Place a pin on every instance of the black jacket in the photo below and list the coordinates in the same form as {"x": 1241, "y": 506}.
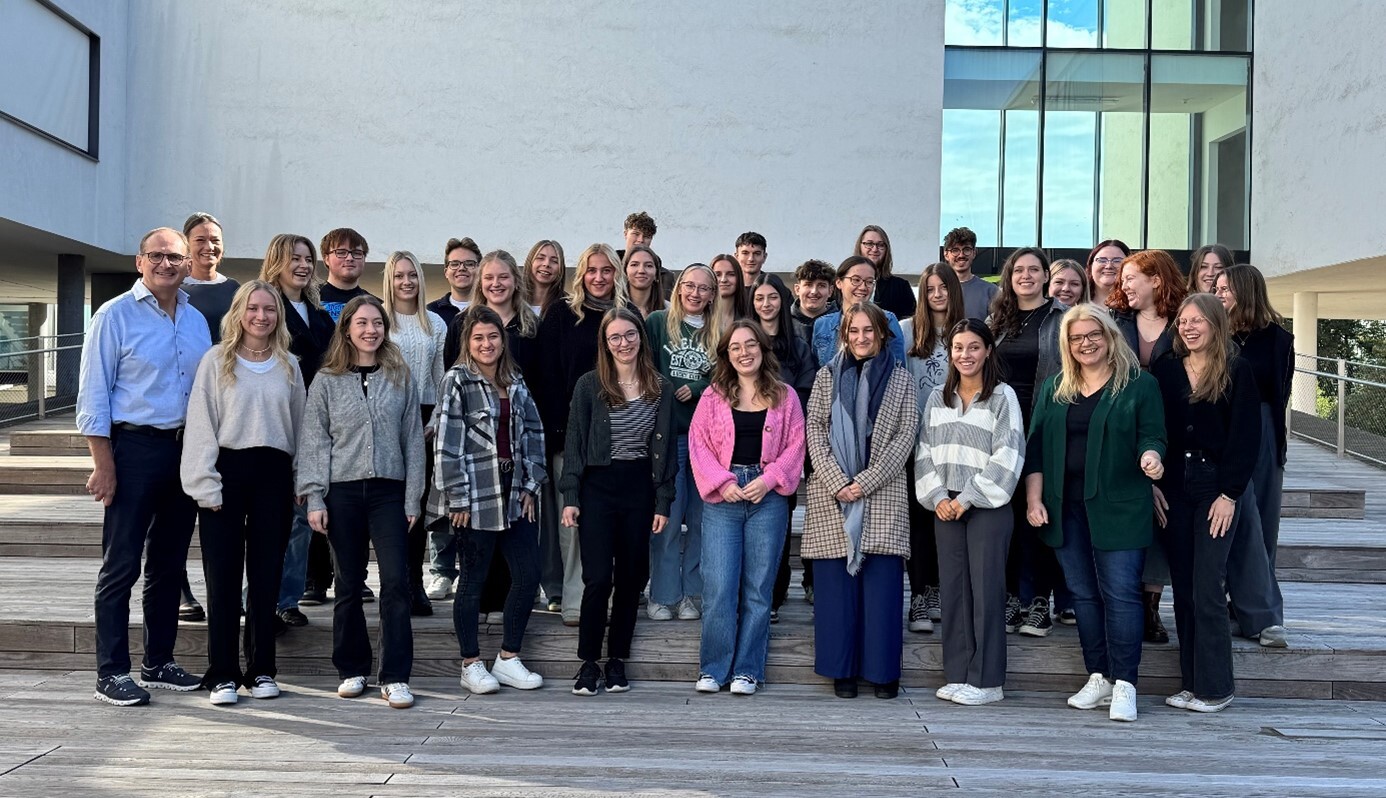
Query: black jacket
{"x": 308, "y": 339}
{"x": 588, "y": 441}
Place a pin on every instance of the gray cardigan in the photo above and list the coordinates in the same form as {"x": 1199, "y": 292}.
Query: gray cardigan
{"x": 589, "y": 441}
{"x": 347, "y": 436}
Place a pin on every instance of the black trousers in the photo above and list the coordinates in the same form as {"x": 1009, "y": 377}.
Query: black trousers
{"x": 418, "y": 533}
{"x": 361, "y": 514}
{"x": 149, "y": 517}
{"x": 247, "y": 536}
{"x": 614, "y": 535}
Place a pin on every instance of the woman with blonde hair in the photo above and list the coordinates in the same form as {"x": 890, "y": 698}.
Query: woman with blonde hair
{"x": 1096, "y": 442}
{"x": 1069, "y": 282}
{"x": 421, "y": 336}
{"x": 567, "y": 344}
{"x": 1213, "y": 424}
{"x": 238, "y": 465}
{"x": 361, "y": 472}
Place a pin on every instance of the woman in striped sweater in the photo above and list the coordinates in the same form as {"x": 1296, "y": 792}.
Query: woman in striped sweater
{"x": 966, "y": 467}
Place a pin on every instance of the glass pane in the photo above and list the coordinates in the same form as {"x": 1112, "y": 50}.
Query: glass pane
{"x": 1198, "y": 151}
{"x": 1123, "y": 24}
{"x": 1025, "y": 23}
{"x": 1020, "y": 183}
{"x": 979, "y": 88}
{"x": 1201, "y": 25}
{"x": 1093, "y": 154}
{"x": 1072, "y": 23}
{"x": 975, "y": 22}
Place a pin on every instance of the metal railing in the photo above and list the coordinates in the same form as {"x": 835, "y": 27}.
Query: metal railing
{"x": 1342, "y": 404}
{"x": 38, "y": 376}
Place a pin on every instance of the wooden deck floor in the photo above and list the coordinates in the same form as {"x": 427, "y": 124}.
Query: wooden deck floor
{"x": 665, "y": 740}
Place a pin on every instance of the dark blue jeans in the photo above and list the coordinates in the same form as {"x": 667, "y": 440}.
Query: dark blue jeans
{"x": 1198, "y": 571}
{"x": 361, "y": 514}
{"x": 149, "y": 517}
{"x": 519, "y": 545}
{"x": 1106, "y": 588}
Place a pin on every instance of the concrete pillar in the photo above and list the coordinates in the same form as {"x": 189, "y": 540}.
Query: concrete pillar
{"x": 1304, "y": 393}
{"x": 72, "y": 300}
{"x": 36, "y": 379}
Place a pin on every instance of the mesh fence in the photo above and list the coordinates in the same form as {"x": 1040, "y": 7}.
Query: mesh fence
{"x": 38, "y": 376}
{"x": 1341, "y": 403}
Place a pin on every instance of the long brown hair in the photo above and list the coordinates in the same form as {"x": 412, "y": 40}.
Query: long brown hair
{"x": 1005, "y": 308}
{"x": 925, "y": 334}
{"x": 341, "y": 353}
{"x": 506, "y": 370}
{"x": 1196, "y": 264}
{"x": 645, "y": 372}
{"x": 740, "y": 305}
{"x": 279, "y": 258}
{"x": 727, "y": 382}
{"x": 657, "y": 300}
{"x": 232, "y": 331}
{"x": 883, "y": 269}
{"x": 1252, "y": 310}
{"x": 1216, "y": 378}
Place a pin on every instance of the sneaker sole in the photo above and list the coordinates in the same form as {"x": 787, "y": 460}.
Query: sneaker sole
{"x": 1101, "y": 702}
{"x": 1208, "y": 709}
{"x": 743, "y": 692}
{"x": 975, "y": 703}
{"x": 618, "y": 688}
{"x": 916, "y": 626}
{"x": 699, "y": 689}
{"x": 224, "y": 702}
{"x": 399, "y": 704}
{"x": 264, "y": 694}
{"x": 482, "y": 689}
{"x": 350, "y": 694}
{"x": 177, "y": 688}
{"x": 520, "y": 685}
{"x": 105, "y": 699}
{"x": 1122, "y": 718}
{"x": 583, "y": 691}
{"x": 1030, "y": 631}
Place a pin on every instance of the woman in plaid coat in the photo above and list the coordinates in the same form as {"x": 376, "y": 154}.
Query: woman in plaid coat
{"x": 861, "y": 425}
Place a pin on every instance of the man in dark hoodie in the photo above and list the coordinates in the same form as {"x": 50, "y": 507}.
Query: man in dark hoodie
{"x": 813, "y": 296}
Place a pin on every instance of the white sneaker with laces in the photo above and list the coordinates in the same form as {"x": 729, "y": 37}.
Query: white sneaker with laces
{"x": 919, "y": 614}
{"x": 224, "y": 694}
{"x": 1123, "y": 701}
{"x": 513, "y": 673}
{"x": 264, "y": 687}
{"x": 743, "y": 685}
{"x": 688, "y": 611}
{"x": 949, "y": 690}
{"x": 970, "y": 696}
{"x": 352, "y": 686}
{"x": 707, "y": 684}
{"x": 1180, "y": 700}
{"x": 658, "y": 612}
{"x": 1096, "y": 693}
{"x": 477, "y": 680}
{"x": 397, "y": 695}
{"x": 440, "y": 587}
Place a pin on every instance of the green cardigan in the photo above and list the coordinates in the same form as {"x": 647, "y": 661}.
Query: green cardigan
{"x": 1116, "y": 492}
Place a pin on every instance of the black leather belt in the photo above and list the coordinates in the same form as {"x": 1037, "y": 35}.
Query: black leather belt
{"x": 175, "y": 434}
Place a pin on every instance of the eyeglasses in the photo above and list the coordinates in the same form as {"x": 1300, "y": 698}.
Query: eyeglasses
{"x": 616, "y": 339}
{"x": 749, "y": 346}
{"x": 1193, "y": 321}
{"x": 344, "y": 254}
{"x": 173, "y": 258}
{"x": 960, "y": 250}
{"x": 873, "y": 245}
{"x": 858, "y": 282}
{"x": 1108, "y": 261}
{"x": 1089, "y": 338}
{"x": 454, "y": 265}
{"x": 696, "y": 289}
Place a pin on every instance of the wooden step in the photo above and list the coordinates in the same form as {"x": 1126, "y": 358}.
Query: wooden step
{"x": 1297, "y": 502}
{"x": 44, "y": 475}
{"x": 48, "y": 442}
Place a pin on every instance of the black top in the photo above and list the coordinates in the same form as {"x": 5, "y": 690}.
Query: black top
{"x": 365, "y": 372}
{"x": 1270, "y": 351}
{"x": 1019, "y": 355}
{"x": 565, "y": 350}
{"x": 797, "y": 365}
{"x": 334, "y": 299}
{"x": 750, "y": 434}
{"x": 308, "y": 339}
{"x": 1227, "y": 432}
{"x": 895, "y": 295}
{"x": 445, "y": 309}
{"x": 522, "y": 349}
{"x": 803, "y": 325}
{"x": 213, "y": 301}
{"x": 1076, "y": 443}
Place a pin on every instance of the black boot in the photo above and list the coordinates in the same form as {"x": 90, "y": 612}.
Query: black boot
{"x": 845, "y": 688}
{"x": 1154, "y": 627}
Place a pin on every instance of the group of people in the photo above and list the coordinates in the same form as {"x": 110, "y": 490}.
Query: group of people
{"x": 640, "y": 435}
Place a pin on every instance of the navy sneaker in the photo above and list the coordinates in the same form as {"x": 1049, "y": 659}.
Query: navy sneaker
{"x": 169, "y": 676}
{"x": 587, "y": 678}
{"x": 615, "y": 677}
{"x": 120, "y": 690}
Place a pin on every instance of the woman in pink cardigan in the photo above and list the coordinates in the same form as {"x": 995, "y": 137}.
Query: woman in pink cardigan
{"x": 746, "y": 447}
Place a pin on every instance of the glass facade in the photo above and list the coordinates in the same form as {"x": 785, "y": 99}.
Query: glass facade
{"x": 1071, "y": 121}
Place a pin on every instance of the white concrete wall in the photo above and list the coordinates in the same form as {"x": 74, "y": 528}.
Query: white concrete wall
{"x": 49, "y": 187}
{"x": 1318, "y": 158}
{"x": 413, "y": 122}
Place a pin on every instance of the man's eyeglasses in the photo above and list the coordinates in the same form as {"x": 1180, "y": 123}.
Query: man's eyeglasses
{"x": 345, "y": 254}
{"x": 454, "y": 265}
{"x": 960, "y": 250}
{"x": 173, "y": 258}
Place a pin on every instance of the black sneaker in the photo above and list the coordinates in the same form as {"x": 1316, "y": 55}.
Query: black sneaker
{"x": 169, "y": 676}
{"x": 313, "y": 596}
{"x": 191, "y": 611}
{"x": 1037, "y": 622}
{"x": 774, "y": 616}
{"x": 120, "y": 691}
{"x": 293, "y": 616}
{"x": 587, "y": 677}
{"x": 616, "y": 676}
{"x": 1068, "y": 618}
{"x": 421, "y": 607}
{"x": 1014, "y": 616}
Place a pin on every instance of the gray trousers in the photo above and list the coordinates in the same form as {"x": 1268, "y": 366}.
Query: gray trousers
{"x": 1251, "y": 581}
{"x": 972, "y": 592}
{"x": 550, "y": 550}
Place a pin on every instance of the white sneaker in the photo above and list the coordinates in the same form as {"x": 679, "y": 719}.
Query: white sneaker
{"x": 1180, "y": 700}
{"x": 352, "y": 686}
{"x": 919, "y": 614}
{"x": 659, "y": 612}
{"x": 1096, "y": 693}
{"x": 1209, "y": 705}
{"x": 495, "y": 618}
{"x": 743, "y": 685}
{"x": 688, "y": 611}
{"x": 264, "y": 687}
{"x": 440, "y": 587}
{"x": 513, "y": 673}
{"x": 970, "y": 696}
{"x": 477, "y": 680}
{"x": 224, "y": 694}
{"x": 707, "y": 684}
{"x": 1272, "y": 637}
{"x": 949, "y": 690}
{"x": 397, "y": 695}
{"x": 1123, "y": 701}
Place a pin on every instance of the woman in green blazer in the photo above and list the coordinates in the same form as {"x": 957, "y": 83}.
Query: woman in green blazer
{"x": 1096, "y": 441}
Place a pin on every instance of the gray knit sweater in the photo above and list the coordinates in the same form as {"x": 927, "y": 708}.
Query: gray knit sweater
{"x": 349, "y": 435}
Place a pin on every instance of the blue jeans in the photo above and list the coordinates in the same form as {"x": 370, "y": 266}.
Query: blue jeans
{"x": 676, "y": 555}
{"x": 295, "y": 577}
{"x": 741, "y": 554}
{"x": 1106, "y": 588}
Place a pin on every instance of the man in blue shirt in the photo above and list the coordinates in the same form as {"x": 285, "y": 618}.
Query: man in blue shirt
{"x": 138, "y": 364}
